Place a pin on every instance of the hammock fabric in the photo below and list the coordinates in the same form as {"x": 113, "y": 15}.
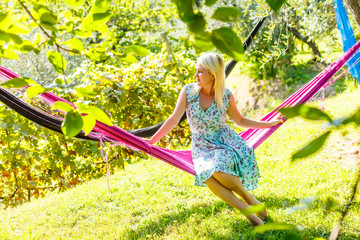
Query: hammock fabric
{"x": 182, "y": 159}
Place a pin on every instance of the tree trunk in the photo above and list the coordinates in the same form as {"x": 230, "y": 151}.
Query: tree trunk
{"x": 354, "y": 7}
{"x": 306, "y": 40}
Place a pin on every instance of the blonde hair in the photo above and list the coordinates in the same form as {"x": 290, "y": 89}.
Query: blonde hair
{"x": 215, "y": 65}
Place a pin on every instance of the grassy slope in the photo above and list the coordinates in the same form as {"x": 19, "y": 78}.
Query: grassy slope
{"x": 151, "y": 200}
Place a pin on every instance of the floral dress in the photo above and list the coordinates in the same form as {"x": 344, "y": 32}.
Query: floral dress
{"x": 215, "y": 146}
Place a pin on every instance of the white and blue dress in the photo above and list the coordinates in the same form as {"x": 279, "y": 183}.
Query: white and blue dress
{"x": 215, "y": 146}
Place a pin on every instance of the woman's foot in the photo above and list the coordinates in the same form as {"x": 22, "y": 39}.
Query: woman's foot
{"x": 253, "y": 201}
{"x": 254, "y": 220}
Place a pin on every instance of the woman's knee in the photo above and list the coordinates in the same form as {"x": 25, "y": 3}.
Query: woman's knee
{"x": 218, "y": 174}
{"x": 225, "y": 179}
{"x": 210, "y": 180}
{"x": 223, "y": 176}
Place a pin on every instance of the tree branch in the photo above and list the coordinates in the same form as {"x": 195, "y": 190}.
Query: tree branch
{"x": 335, "y": 232}
{"x": 42, "y": 29}
{"x": 354, "y": 7}
{"x": 306, "y": 40}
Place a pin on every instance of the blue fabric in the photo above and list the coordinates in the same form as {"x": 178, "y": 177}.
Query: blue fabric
{"x": 347, "y": 37}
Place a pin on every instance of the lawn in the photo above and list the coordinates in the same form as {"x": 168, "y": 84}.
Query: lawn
{"x": 152, "y": 200}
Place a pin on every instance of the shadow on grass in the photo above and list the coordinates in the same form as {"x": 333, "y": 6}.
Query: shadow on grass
{"x": 158, "y": 227}
{"x": 239, "y": 229}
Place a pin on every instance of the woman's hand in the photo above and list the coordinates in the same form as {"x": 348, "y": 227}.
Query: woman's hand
{"x": 279, "y": 120}
{"x": 149, "y": 141}
{"x": 276, "y": 122}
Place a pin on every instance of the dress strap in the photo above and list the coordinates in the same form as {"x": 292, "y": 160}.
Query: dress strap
{"x": 190, "y": 96}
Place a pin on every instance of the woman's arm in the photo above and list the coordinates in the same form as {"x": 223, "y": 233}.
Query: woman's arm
{"x": 245, "y": 122}
{"x": 173, "y": 120}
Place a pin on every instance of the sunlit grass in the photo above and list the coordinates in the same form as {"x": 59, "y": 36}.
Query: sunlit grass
{"x": 152, "y": 200}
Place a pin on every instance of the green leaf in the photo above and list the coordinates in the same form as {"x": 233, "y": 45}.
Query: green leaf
{"x": 18, "y": 28}
{"x": 306, "y": 112}
{"x": 100, "y": 6}
{"x": 5, "y": 21}
{"x": 273, "y": 226}
{"x": 103, "y": 29}
{"x": 57, "y": 60}
{"x": 16, "y": 39}
{"x": 67, "y": 14}
{"x": 75, "y": 44}
{"x": 275, "y": 4}
{"x": 51, "y": 28}
{"x": 9, "y": 54}
{"x": 99, "y": 114}
{"x": 197, "y": 25}
{"x": 137, "y": 50}
{"x": 96, "y": 54}
{"x": 18, "y": 82}
{"x": 93, "y": 20}
{"x": 48, "y": 18}
{"x": 100, "y": 18}
{"x": 72, "y": 124}
{"x": 226, "y": 14}
{"x": 84, "y": 92}
{"x": 60, "y": 81}
{"x": 317, "y": 114}
{"x": 83, "y": 32}
{"x": 82, "y": 108}
{"x": 311, "y": 147}
{"x": 35, "y": 90}
{"x": 129, "y": 58}
{"x": 39, "y": 9}
{"x": 26, "y": 46}
{"x": 4, "y": 36}
{"x": 89, "y": 122}
{"x": 228, "y": 42}
{"x": 353, "y": 118}
{"x": 3, "y": 18}
{"x": 210, "y": 2}
{"x": 254, "y": 209}
{"x": 203, "y": 42}
{"x": 291, "y": 112}
{"x": 62, "y": 106}
{"x": 74, "y": 4}
{"x": 185, "y": 10}
{"x": 86, "y": 24}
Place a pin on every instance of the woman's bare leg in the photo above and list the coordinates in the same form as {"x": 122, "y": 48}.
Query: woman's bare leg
{"x": 229, "y": 197}
{"x": 234, "y": 184}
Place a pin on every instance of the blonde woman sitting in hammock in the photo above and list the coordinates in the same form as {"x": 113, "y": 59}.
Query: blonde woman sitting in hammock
{"x": 222, "y": 159}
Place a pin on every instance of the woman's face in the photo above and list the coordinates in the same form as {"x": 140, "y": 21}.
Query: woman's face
{"x": 203, "y": 76}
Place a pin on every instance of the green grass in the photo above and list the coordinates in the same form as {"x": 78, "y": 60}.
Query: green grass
{"x": 152, "y": 200}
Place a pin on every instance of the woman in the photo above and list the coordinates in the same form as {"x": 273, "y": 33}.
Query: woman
{"x": 222, "y": 159}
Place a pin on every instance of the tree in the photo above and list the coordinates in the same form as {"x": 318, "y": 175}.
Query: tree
{"x": 354, "y": 7}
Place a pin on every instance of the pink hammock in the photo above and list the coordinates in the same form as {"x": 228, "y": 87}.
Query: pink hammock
{"x": 182, "y": 159}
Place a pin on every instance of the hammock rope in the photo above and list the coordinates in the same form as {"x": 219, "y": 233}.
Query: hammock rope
{"x": 182, "y": 159}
